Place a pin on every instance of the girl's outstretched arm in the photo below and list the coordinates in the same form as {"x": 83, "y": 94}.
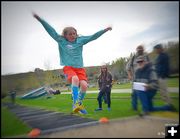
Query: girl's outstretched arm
{"x": 51, "y": 31}
{"x": 87, "y": 39}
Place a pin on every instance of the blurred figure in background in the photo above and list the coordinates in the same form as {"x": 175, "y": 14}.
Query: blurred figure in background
{"x": 12, "y": 95}
{"x": 105, "y": 85}
{"x": 162, "y": 69}
{"x": 131, "y": 68}
{"x": 147, "y": 77}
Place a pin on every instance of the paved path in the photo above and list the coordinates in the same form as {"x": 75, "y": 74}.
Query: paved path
{"x": 170, "y": 89}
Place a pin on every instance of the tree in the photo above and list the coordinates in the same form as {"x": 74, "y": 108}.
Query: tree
{"x": 172, "y": 48}
{"x": 119, "y": 68}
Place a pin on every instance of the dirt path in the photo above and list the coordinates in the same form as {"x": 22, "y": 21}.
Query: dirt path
{"x": 170, "y": 89}
{"x": 134, "y": 127}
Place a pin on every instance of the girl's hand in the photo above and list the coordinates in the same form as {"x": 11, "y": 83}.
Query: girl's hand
{"x": 108, "y": 28}
{"x": 36, "y": 16}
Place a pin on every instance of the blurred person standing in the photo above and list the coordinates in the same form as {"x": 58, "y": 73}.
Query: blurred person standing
{"x": 162, "y": 70}
{"x": 131, "y": 68}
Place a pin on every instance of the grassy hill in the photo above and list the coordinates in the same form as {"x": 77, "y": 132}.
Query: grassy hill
{"x": 24, "y": 82}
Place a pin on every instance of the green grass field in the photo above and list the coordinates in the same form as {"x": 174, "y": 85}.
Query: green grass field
{"x": 11, "y": 125}
{"x": 121, "y": 107}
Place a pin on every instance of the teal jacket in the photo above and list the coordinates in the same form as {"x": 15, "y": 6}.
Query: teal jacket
{"x": 70, "y": 52}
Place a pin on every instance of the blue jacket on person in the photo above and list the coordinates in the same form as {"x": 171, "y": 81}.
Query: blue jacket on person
{"x": 162, "y": 65}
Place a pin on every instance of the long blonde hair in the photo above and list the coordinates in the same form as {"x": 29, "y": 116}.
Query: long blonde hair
{"x": 106, "y": 73}
{"x": 66, "y": 29}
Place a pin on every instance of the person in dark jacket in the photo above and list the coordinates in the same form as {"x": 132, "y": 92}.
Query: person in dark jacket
{"x": 162, "y": 70}
{"x": 131, "y": 68}
{"x": 105, "y": 85}
{"x": 146, "y": 78}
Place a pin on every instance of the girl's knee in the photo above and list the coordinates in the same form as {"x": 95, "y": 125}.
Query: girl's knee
{"x": 75, "y": 80}
{"x": 83, "y": 85}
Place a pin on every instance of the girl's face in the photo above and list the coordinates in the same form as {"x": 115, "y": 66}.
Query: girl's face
{"x": 103, "y": 69}
{"x": 71, "y": 35}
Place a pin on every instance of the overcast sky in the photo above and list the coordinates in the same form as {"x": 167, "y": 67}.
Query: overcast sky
{"x": 25, "y": 45}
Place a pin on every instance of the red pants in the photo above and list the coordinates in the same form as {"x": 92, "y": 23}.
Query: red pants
{"x": 71, "y": 71}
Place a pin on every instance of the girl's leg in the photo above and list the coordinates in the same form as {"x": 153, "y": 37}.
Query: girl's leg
{"x": 82, "y": 93}
{"x": 108, "y": 94}
{"x": 99, "y": 98}
{"x": 79, "y": 81}
{"x": 75, "y": 86}
{"x": 105, "y": 98}
{"x": 83, "y": 89}
{"x": 72, "y": 79}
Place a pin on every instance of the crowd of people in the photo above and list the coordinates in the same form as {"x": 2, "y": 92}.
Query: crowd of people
{"x": 153, "y": 77}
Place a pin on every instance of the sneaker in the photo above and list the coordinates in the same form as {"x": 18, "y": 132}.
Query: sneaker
{"x": 98, "y": 109}
{"x": 83, "y": 111}
{"x": 77, "y": 107}
{"x": 109, "y": 109}
{"x": 143, "y": 114}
